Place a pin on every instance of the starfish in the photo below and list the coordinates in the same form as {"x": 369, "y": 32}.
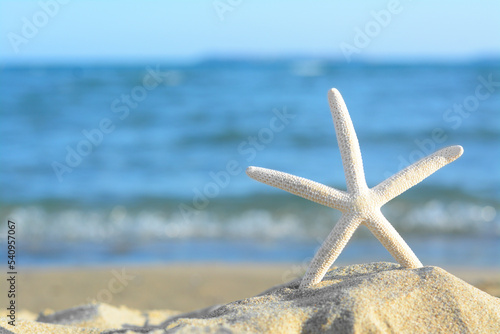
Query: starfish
{"x": 360, "y": 204}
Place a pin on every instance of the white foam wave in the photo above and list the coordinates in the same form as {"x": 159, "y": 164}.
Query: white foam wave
{"x": 39, "y": 225}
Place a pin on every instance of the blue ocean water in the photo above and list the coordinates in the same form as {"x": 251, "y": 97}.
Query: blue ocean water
{"x": 145, "y": 163}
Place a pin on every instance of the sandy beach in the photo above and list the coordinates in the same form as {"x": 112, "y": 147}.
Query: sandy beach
{"x": 380, "y": 297}
{"x": 180, "y": 287}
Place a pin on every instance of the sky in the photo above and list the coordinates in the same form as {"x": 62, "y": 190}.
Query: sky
{"x": 137, "y": 30}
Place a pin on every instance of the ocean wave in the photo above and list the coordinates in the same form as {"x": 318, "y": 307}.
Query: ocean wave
{"x": 299, "y": 222}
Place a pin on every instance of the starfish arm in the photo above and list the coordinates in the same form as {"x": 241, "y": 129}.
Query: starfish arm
{"x": 413, "y": 174}
{"x": 330, "y": 249}
{"x": 302, "y": 187}
{"x": 348, "y": 143}
{"x": 392, "y": 241}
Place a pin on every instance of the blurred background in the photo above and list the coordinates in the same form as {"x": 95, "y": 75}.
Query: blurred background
{"x": 126, "y": 126}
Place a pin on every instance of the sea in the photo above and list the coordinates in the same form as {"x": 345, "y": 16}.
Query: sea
{"x": 145, "y": 163}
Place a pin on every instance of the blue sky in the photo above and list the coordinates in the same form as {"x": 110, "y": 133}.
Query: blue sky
{"x": 125, "y": 30}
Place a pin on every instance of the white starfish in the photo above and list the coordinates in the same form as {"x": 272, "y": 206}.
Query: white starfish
{"x": 360, "y": 204}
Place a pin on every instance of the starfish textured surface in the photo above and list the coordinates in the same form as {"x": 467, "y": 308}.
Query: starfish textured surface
{"x": 360, "y": 204}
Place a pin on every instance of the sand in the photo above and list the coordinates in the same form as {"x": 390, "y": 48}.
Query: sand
{"x": 173, "y": 290}
{"x": 178, "y": 287}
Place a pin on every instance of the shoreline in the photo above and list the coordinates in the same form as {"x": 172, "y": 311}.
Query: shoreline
{"x": 180, "y": 287}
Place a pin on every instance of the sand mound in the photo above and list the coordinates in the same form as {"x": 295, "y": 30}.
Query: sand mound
{"x": 376, "y": 297}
